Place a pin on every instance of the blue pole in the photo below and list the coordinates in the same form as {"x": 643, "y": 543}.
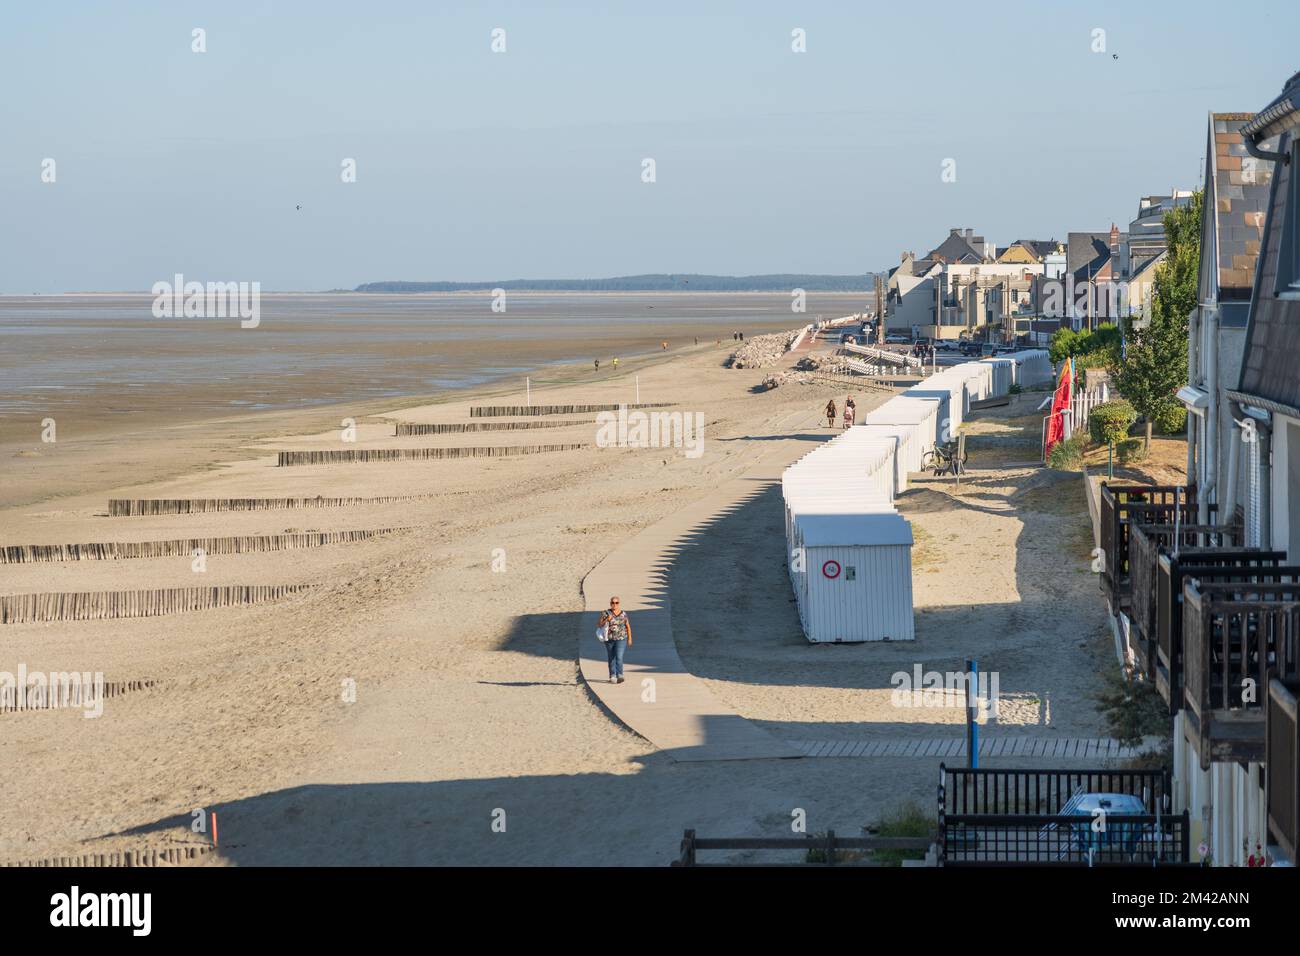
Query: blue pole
{"x": 972, "y": 729}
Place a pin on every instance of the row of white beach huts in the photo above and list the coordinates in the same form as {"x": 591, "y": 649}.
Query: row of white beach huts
{"x": 850, "y": 551}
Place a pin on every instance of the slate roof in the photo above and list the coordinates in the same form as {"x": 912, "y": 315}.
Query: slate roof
{"x": 1039, "y": 247}
{"x": 1270, "y": 367}
{"x": 1236, "y": 200}
{"x": 956, "y": 249}
{"x": 1086, "y": 253}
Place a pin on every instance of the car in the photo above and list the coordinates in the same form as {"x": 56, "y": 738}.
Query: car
{"x": 897, "y": 340}
{"x": 1094, "y": 833}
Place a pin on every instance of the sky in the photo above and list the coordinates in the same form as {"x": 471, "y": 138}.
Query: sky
{"x": 529, "y": 163}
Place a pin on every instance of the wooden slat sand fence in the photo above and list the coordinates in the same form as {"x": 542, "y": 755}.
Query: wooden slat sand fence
{"x": 358, "y": 455}
{"x": 167, "y": 856}
{"x": 105, "y": 605}
{"x": 509, "y": 411}
{"x": 73, "y": 694}
{"x": 182, "y": 547}
{"x": 456, "y": 428}
{"x": 136, "y": 507}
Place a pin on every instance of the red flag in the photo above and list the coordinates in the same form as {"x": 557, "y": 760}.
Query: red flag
{"x": 1060, "y": 402}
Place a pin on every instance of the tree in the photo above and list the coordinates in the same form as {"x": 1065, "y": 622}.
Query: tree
{"x": 1061, "y": 346}
{"x": 1109, "y": 423}
{"x": 1155, "y": 365}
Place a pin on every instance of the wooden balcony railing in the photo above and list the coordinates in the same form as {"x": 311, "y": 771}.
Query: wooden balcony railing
{"x": 1209, "y": 566}
{"x": 1120, "y": 505}
{"x": 1282, "y": 756}
{"x": 1235, "y": 638}
{"x": 1146, "y": 542}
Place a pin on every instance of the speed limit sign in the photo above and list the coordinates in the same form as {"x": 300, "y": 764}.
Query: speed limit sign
{"x": 831, "y": 569}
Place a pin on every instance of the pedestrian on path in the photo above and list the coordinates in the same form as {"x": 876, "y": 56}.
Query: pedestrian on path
{"x": 849, "y": 411}
{"x": 830, "y": 414}
{"x": 618, "y": 637}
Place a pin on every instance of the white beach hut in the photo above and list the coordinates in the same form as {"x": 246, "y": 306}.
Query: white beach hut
{"x": 855, "y": 583}
{"x": 919, "y": 414}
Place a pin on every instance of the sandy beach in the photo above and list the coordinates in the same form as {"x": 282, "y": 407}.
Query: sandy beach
{"x": 456, "y": 629}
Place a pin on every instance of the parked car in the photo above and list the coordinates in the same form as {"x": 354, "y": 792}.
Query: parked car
{"x": 897, "y": 340}
{"x": 1093, "y": 833}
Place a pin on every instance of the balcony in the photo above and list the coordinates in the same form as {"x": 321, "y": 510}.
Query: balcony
{"x": 1121, "y": 505}
{"x": 1236, "y": 637}
{"x": 1146, "y": 544}
{"x": 1208, "y": 566}
{"x": 1282, "y": 754}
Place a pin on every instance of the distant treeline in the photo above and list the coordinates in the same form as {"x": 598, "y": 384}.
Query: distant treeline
{"x": 657, "y": 282}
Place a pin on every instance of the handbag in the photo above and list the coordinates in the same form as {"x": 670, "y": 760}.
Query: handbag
{"x": 602, "y": 634}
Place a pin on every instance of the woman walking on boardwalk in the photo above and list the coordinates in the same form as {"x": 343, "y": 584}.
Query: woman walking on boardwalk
{"x": 830, "y": 414}
{"x": 618, "y": 637}
{"x": 849, "y": 411}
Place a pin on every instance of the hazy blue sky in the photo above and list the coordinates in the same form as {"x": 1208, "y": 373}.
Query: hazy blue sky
{"x": 475, "y": 165}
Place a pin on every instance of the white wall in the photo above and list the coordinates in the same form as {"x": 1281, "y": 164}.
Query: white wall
{"x": 915, "y": 304}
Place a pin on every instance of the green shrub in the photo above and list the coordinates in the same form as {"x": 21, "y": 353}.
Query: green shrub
{"x": 1067, "y": 455}
{"x": 1131, "y": 450}
{"x": 1111, "y": 421}
{"x": 907, "y": 820}
{"x": 1171, "y": 419}
{"x": 1132, "y": 709}
{"x": 1093, "y": 358}
{"x": 1061, "y": 346}
{"x": 1093, "y": 349}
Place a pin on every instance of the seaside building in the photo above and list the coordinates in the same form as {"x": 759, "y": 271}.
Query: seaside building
{"x": 962, "y": 247}
{"x": 1093, "y": 263}
{"x": 960, "y": 291}
{"x": 1146, "y": 233}
{"x": 1203, "y": 577}
{"x": 1028, "y": 251}
{"x": 910, "y": 297}
{"x": 1226, "y": 796}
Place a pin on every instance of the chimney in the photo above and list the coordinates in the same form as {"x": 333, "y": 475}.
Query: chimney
{"x": 970, "y": 233}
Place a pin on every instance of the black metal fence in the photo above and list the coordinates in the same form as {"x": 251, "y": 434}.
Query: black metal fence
{"x": 997, "y": 790}
{"x": 1000, "y": 817}
{"x": 1031, "y": 839}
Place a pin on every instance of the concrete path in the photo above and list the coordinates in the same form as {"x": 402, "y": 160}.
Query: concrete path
{"x": 660, "y": 700}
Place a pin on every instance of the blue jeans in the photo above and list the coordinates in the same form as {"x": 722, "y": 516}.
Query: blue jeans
{"x": 615, "y": 650}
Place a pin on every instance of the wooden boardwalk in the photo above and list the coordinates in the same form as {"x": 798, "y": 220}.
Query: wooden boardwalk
{"x": 660, "y": 699}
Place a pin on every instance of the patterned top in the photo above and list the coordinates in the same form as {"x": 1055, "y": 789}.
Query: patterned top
{"x": 617, "y": 626}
